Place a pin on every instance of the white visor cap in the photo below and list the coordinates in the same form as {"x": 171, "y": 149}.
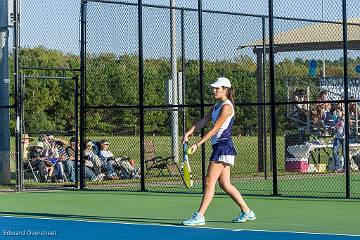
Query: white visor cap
{"x": 221, "y": 82}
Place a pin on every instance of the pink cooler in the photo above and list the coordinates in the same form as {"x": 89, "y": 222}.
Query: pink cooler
{"x": 296, "y": 165}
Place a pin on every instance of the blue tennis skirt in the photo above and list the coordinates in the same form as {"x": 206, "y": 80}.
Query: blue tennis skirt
{"x": 224, "y": 152}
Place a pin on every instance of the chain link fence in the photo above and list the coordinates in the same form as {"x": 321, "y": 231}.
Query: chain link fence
{"x": 145, "y": 82}
{"x": 312, "y": 131}
{"x": 46, "y": 64}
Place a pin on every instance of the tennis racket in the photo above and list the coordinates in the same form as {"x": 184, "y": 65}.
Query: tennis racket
{"x": 185, "y": 169}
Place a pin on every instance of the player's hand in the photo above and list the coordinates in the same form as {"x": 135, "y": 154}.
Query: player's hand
{"x": 193, "y": 148}
{"x": 185, "y": 139}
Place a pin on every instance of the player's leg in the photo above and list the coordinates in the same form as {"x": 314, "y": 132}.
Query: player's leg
{"x": 226, "y": 185}
{"x": 214, "y": 171}
{"x": 224, "y": 181}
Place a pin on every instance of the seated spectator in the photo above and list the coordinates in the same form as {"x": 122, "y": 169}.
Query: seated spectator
{"x": 54, "y": 158}
{"x": 26, "y": 145}
{"x": 334, "y": 116}
{"x": 322, "y": 110}
{"x": 58, "y": 157}
{"x": 49, "y": 154}
{"x": 106, "y": 157}
{"x": 354, "y": 110}
{"x": 66, "y": 169}
{"x": 70, "y": 150}
{"x": 32, "y": 158}
{"x": 300, "y": 109}
{"x": 44, "y": 139}
{"x": 38, "y": 157}
{"x": 69, "y": 162}
{"x": 354, "y": 117}
{"x": 127, "y": 170}
{"x": 322, "y": 98}
{"x": 91, "y": 159}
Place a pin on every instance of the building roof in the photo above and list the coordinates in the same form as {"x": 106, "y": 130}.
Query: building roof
{"x": 315, "y": 36}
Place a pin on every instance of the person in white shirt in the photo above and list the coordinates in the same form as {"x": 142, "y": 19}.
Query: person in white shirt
{"x": 106, "y": 157}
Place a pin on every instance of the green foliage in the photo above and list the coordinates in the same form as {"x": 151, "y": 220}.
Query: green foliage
{"x": 46, "y": 102}
{"x": 114, "y": 80}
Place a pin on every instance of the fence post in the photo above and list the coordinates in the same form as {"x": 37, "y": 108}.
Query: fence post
{"x": 76, "y": 111}
{"x": 175, "y": 85}
{"x": 264, "y": 97}
{"x": 346, "y": 100}
{"x": 141, "y": 93}
{"x": 82, "y": 97}
{"x": 17, "y": 80}
{"x": 272, "y": 96}
{"x": 183, "y": 92}
{"x": 201, "y": 78}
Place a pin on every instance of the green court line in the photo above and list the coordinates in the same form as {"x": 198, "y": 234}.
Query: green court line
{"x": 336, "y": 216}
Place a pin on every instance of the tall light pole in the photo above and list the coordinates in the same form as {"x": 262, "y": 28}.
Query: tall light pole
{"x": 4, "y": 96}
{"x": 174, "y": 86}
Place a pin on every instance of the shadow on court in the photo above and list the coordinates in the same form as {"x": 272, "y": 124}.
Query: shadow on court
{"x": 164, "y": 221}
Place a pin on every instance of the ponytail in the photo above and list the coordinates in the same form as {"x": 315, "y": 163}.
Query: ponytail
{"x": 230, "y": 94}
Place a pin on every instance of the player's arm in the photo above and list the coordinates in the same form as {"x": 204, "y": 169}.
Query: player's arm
{"x": 226, "y": 111}
{"x": 198, "y": 126}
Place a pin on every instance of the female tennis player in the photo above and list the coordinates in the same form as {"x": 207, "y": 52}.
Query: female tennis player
{"x": 223, "y": 155}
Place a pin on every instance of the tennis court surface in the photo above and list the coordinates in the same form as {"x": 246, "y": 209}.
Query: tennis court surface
{"x": 137, "y": 215}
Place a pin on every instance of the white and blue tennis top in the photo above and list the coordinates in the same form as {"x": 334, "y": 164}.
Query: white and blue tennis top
{"x": 224, "y": 132}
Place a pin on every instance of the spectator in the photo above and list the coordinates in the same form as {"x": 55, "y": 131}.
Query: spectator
{"x": 322, "y": 110}
{"x": 54, "y": 158}
{"x": 91, "y": 159}
{"x": 339, "y": 141}
{"x": 107, "y": 159}
{"x": 354, "y": 117}
{"x": 39, "y": 158}
{"x": 44, "y": 139}
{"x": 70, "y": 150}
{"x": 354, "y": 110}
{"x": 300, "y": 108}
{"x": 26, "y": 146}
{"x": 127, "y": 169}
{"x": 59, "y": 156}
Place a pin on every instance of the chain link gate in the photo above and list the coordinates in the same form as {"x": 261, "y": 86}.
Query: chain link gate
{"x": 46, "y": 139}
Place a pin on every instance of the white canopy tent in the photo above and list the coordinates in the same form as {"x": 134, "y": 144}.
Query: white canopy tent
{"x": 317, "y": 36}
{"x": 313, "y": 37}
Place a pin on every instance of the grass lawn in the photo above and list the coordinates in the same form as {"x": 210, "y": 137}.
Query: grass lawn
{"x": 244, "y": 173}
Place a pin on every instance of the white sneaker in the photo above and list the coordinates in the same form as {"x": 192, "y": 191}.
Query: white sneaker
{"x": 195, "y": 220}
{"x": 249, "y": 216}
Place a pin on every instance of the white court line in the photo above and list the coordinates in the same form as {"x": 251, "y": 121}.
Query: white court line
{"x": 176, "y": 226}
{"x": 312, "y": 233}
{"x": 121, "y": 223}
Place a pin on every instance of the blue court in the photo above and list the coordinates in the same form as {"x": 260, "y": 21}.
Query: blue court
{"x": 34, "y": 228}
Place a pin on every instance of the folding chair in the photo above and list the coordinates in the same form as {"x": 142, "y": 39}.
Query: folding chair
{"x": 159, "y": 163}
{"x": 28, "y": 167}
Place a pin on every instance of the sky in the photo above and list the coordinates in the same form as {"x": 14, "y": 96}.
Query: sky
{"x": 113, "y": 27}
